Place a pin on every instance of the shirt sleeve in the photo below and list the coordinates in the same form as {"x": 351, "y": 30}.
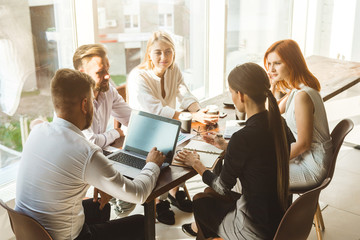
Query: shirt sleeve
{"x": 100, "y": 174}
{"x": 183, "y": 93}
{"x": 102, "y": 139}
{"x": 233, "y": 163}
{"x": 121, "y": 111}
{"x": 141, "y": 97}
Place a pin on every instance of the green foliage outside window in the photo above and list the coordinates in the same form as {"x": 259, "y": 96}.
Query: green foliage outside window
{"x": 118, "y": 79}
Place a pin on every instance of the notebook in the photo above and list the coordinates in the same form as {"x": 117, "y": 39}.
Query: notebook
{"x": 144, "y": 132}
{"x": 207, "y": 152}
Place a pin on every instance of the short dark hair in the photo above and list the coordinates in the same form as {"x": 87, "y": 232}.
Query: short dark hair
{"x": 86, "y": 52}
{"x": 68, "y": 87}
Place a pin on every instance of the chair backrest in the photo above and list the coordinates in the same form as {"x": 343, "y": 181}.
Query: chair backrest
{"x": 298, "y": 219}
{"x": 25, "y": 227}
{"x": 338, "y": 135}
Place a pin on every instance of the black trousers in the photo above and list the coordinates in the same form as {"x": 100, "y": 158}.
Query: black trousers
{"x": 97, "y": 225}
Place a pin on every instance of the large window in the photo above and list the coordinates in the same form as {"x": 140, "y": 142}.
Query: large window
{"x": 39, "y": 36}
{"x": 252, "y": 26}
{"x": 136, "y": 20}
{"x": 36, "y": 38}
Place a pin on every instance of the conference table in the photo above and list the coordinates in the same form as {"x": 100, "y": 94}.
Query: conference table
{"x": 335, "y": 76}
{"x": 175, "y": 175}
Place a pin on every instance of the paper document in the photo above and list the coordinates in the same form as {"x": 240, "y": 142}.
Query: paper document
{"x": 184, "y": 137}
{"x": 233, "y": 126}
{"x": 207, "y": 152}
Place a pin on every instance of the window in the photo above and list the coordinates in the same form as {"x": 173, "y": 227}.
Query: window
{"x": 165, "y": 20}
{"x": 31, "y": 53}
{"x": 126, "y": 45}
{"x": 252, "y": 26}
{"x": 328, "y": 28}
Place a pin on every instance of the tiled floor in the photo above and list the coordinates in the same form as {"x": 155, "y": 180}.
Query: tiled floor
{"x": 341, "y": 198}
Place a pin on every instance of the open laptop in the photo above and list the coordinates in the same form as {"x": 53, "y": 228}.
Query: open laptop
{"x": 144, "y": 132}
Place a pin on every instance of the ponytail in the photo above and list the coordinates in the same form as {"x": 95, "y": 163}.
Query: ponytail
{"x": 277, "y": 128}
{"x": 252, "y": 80}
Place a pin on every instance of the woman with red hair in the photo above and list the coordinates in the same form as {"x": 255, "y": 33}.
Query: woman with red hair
{"x": 304, "y": 111}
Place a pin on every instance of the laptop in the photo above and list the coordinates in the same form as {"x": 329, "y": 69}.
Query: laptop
{"x": 144, "y": 132}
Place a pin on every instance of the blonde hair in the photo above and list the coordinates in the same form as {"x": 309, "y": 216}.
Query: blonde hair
{"x": 155, "y": 37}
{"x": 86, "y": 52}
{"x": 252, "y": 80}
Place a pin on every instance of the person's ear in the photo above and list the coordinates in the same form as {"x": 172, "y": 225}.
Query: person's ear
{"x": 84, "y": 105}
{"x": 82, "y": 69}
{"x": 241, "y": 96}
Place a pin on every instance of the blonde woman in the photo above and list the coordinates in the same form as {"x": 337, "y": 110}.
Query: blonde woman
{"x": 154, "y": 86}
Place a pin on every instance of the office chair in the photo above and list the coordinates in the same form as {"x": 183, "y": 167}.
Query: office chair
{"x": 338, "y": 134}
{"x": 25, "y": 227}
{"x": 298, "y": 219}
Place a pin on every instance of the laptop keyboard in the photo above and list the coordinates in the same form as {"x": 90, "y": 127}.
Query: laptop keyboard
{"x": 129, "y": 160}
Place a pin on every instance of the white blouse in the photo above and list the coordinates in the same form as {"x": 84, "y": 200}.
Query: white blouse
{"x": 144, "y": 91}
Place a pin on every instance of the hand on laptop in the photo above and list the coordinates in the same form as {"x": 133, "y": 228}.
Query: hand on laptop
{"x": 155, "y": 156}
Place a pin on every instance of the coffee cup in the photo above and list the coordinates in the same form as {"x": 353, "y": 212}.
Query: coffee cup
{"x": 212, "y": 109}
{"x": 185, "y": 119}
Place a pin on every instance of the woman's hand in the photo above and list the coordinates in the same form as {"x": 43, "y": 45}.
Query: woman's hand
{"x": 188, "y": 158}
{"x": 191, "y": 159}
{"x": 216, "y": 140}
{"x": 204, "y": 118}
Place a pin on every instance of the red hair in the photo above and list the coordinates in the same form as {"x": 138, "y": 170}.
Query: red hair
{"x": 290, "y": 53}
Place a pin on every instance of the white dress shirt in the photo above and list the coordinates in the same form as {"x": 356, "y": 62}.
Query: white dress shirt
{"x": 57, "y": 167}
{"x": 144, "y": 91}
{"x": 108, "y": 103}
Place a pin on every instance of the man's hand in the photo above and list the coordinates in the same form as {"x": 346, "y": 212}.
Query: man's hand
{"x": 155, "y": 156}
{"x": 120, "y": 132}
{"x": 104, "y": 198}
{"x": 215, "y": 140}
{"x": 204, "y": 118}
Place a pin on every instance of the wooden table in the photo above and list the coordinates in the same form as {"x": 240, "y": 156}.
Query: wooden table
{"x": 169, "y": 178}
{"x": 335, "y": 76}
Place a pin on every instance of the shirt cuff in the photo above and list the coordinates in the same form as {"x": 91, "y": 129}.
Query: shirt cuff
{"x": 153, "y": 167}
{"x": 167, "y": 112}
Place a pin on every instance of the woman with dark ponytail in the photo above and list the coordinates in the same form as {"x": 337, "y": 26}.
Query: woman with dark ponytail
{"x": 257, "y": 155}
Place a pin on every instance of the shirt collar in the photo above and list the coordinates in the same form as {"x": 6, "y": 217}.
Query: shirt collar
{"x": 257, "y": 118}
{"x": 64, "y": 123}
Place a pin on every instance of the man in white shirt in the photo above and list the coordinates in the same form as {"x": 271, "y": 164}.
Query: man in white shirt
{"x": 58, "y": 165}
{"x": 92, "y": 59}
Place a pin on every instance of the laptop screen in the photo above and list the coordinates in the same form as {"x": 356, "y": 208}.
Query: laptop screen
{"x": 146, "y": 131}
